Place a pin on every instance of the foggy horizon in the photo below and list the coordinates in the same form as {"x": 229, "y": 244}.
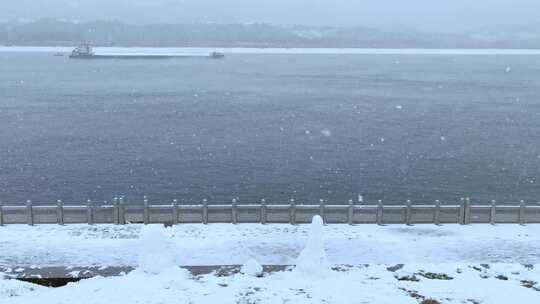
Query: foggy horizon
{"x": 422, "y": 15}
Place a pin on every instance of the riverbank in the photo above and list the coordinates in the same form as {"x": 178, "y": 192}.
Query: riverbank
{"x": 389, "y": 264}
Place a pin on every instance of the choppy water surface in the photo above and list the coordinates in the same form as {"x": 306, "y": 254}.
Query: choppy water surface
{"x": 271, "y": 126}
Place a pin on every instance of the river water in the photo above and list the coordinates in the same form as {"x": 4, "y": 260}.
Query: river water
{"x": 275, "y": 126}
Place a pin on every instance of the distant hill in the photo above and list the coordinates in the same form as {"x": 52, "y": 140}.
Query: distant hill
{"x": 114, "y": 33}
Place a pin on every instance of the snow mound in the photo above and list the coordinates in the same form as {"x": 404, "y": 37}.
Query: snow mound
{"x": 313, "y": 261}
{"x": 156, "y": 253}
{"x": 252, "y": 268}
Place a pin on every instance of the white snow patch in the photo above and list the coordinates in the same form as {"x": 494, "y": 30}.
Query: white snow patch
{"x": 446, "y": 283}
{"x": 11, "y": 289}
{"x": 74, "y": 273}
{"x": 225, "y": 244}
{"x": 313, "y": 260}
{"x": 252, "y": 268}
{"x": 156, "y": 253}
{"x": 500, "y": 262}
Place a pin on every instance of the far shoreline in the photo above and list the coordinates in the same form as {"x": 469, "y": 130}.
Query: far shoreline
{"x": 280, "y": 50}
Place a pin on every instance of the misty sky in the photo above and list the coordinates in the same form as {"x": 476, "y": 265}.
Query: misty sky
{"x": 426, "y": 15}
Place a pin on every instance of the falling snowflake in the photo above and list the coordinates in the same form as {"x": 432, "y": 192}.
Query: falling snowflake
{"x": 326, "y": 132}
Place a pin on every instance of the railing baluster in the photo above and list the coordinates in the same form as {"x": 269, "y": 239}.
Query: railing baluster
{"x": 121, "y": 218}
{"x": 116, "y": 211}
{"x": 263, "y": 212}
{"x": 175, "y": 212}
{"x": 321, "y": 210}
{"x": 437, "y": 213}
{"x": 123, "y": 204}
{"x": 205, "y": 212}
{"x": 1, "y": 214}
{"x": 522, "y": 210}
{"x": 59, "y": 212}
{"x": 29, "y": 213}
{"x": 234, "y": 212}
{"x": 467, "y": 211}
{"x": 350, "y": 212}
{"x": 461, "y": 215}
{"x": 380, "y": 213}
{"x": 292, "y": 212}
{"x": 408, "y": 215}
{"x": 89, "y": 212}
{"x": 146, "y": 211}
{"x": 493, "y": 213}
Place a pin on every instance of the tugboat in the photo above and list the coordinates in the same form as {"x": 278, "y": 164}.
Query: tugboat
{"x": 82, "y": 51}
{"x": 217, "y": 55}
{"x": 85, "y": 51}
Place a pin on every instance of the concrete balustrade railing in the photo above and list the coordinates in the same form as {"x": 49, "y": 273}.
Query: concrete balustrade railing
{"x": 121, "y": 212}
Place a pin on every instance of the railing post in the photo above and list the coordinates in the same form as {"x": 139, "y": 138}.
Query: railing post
{"x": 321, "y": 210}
{"x": 234, "y": 211}
{"x": 29, "y": 213}
{"x": 205, "y": 211}
{"x": 146, "y": 211}
{"x": 121, "y": 209}
{"x": 263, "y": 212}
{"x": 461, "y": 215}
{"x": 408, "y": 217}
{"x": 175, "y": 212}
{"x": 493, "y": 213}
{"x": 292, "y": 212}
{"x": 123, "y": 204}
{"x": 89, "y": 212}
{"x": 116, "y": 211}
{"x": 59, "y": 212}
{"x": 467, "y": 213}
{"x": 380, "y": 213}
{"x": 350, "y": 212}
{"x": 522, "y": 214}
{"x": 437, "y": 213}
{"x": 1, "y": 214}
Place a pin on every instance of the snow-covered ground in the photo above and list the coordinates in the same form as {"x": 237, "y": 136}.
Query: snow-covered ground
{"x": 390, "y": 264}
{"x": 374, "y": 284}
{"x": 227, "y": 244}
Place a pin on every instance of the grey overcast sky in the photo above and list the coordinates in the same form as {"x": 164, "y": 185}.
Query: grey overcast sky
{"x": 426, "y": 15}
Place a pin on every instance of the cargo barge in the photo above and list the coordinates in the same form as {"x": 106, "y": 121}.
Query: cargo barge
{"x": 85, "y": 51}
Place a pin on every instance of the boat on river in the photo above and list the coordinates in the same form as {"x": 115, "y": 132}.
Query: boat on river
{"x": 86, "y": 51}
